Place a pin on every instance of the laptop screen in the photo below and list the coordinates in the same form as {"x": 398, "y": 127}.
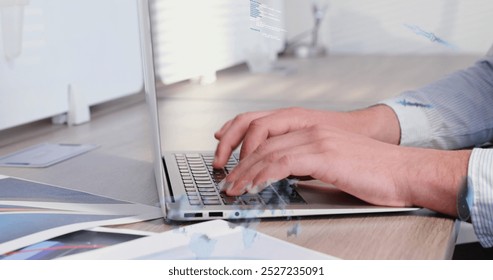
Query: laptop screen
{"x": 151, "y": 98}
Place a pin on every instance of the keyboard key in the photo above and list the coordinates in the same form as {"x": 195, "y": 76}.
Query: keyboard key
{"x": 202, "y": 183}
{"x": 200, "y": 172}
{"x": 201, "y": 180}
{"x": 211, "y": 201}
{"x": 193, "y": 195}
{"x": 291, "y": 196}
{"x": 192, "y": 192}
{"x": 209, "y": 188}
{"x": 273, "y": 200}
{"x": 251, "y": 200}
{"x": 194, "y": 202}
{"x": 202, "y": 176}
{"x": 218, "y": 177}
{"x": 208, "y": 194}
{"x": 193, "y": 156}
{"x": 231, "y": 200}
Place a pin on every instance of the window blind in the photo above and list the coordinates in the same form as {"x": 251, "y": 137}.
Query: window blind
{"x": 197, "y": 37}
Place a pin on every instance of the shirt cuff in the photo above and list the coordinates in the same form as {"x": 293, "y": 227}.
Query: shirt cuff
{"x": 480, "y": 183}
{"x": 415, "y": 127}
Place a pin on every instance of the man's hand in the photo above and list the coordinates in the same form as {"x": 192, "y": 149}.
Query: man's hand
{"x": 374, "y": 171}
{"x": 252, "y": 129}
{"x": 354, "y": 151}
{"x": 356, "y": 164}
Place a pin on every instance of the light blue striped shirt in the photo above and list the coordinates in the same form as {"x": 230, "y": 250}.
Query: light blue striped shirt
{"x": 452, "y": 113}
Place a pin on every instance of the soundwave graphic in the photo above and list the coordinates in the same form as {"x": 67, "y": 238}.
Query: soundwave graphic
{"x": 429, "y": 35}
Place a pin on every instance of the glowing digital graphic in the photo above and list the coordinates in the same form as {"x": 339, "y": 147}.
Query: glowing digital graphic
{"x": 429, "y": 35}
{"x": 295, "y": 230}
{"x": 202, "y": 246}
{"x": 266, "y": 20}
{"x": 407, "y": 103}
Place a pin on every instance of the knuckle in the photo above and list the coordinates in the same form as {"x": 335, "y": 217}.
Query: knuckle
{"x": 262, "y": 148}
{"x": 242, "y": 118}
{"x": 256, "y": 124}
{"x": 317, "y": 131}
{"x": 325, "y": 145}
{"x": 285, "y": 160}
{"x": 272, "y": 157}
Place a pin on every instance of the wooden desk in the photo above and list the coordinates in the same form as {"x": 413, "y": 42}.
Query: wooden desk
{"x": 121, "y": 167}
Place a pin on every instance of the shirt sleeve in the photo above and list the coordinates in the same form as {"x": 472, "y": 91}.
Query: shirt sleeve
{"x": 480, "y": 183}
{"x": 452, "y": 113}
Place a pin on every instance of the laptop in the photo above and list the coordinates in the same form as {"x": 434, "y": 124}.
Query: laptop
{"x": 187, "y": 184}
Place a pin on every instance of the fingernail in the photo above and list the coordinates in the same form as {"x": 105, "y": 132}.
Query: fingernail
{"x": 216, "y": 158}
{"x": 224, "y": 185}
{"x": 256, "y": 189}
{"x": 248, "y": 187}
{"x": 252, "y": 189}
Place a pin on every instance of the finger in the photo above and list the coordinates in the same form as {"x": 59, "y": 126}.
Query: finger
{"x": 241, "y": 120}
{"x": 285, "y": 141}
{"x": 278, "y": 123}
{"x": 231, "y": 135}
{"x": 219, "y": 134}
{"x": 219, "y": 161}
{"x": 274, "y": 145}
{"x": 275, "y": 166}
{"x": 265, "y": 173}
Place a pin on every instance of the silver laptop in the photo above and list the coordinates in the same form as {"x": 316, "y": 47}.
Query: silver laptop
{"x": 187, "y": 183}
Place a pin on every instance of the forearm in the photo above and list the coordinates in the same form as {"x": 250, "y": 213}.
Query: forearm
{"x": 433, "y": 178}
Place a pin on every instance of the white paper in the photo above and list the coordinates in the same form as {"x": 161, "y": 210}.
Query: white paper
{"x": 32, "y": 212}
{"x": 44, "y": 155}
{"x": 216, "y": 239}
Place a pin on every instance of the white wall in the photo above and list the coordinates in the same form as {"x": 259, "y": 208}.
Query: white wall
{"x": 91, "y": 44}
{"x": 197, "y": 37}
{"x": 378, "y": 26}
{"x": 94, "y": 46}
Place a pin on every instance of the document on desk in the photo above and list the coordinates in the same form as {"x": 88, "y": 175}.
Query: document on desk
{"x": 75, "y": 243}
{"x": 32, "y": 212}
{"x": 44, "y": 155}
{"x": 215, "y": 239}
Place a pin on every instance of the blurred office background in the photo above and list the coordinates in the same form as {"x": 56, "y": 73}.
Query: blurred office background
{"x": 91, "y": 46}
{"x": 379, "y": 26}
{"x": 90, "y": 49}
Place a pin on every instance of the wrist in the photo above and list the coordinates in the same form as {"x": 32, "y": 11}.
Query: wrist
{"x": 435, "y": 177}
{"x": 378, "y": 122}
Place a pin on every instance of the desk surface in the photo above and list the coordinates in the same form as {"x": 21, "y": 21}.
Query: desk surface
{"x": 190, "y": 113}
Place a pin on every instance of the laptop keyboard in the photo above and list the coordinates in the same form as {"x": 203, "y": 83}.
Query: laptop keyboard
{"x": 201, "y": 184}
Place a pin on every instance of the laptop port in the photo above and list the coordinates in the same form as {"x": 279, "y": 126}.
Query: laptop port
{"x": 193, "y": 215}
{"x": 215, "y": 214}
